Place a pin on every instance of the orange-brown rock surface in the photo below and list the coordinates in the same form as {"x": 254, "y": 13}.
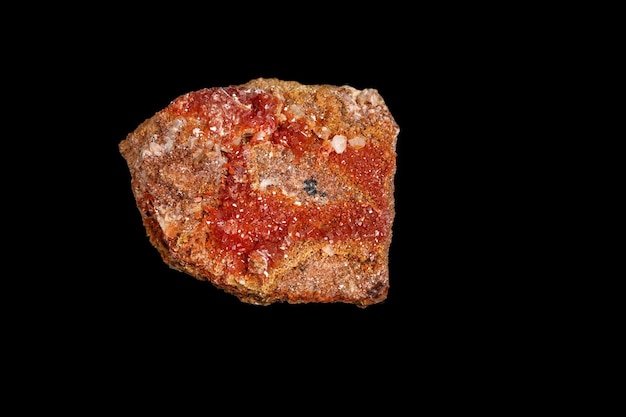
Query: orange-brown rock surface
{"x": 272, "y": 190}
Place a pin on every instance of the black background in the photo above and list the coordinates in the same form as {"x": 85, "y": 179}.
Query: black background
{"x": 93, "y": 302}
{"x": 120, "y": 304}
{"x": 147, "y": 299}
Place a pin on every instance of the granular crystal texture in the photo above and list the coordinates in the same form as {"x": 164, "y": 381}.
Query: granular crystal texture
{"x": 273, "y": 191}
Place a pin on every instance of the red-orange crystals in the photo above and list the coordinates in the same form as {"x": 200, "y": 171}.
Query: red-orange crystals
{"x": 273, "y": 191}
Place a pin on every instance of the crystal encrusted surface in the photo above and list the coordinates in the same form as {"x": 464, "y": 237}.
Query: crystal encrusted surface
{"x": 272, "y": 190}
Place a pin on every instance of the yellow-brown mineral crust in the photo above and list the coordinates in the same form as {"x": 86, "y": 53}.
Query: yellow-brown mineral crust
{"x": 272, "y": 190}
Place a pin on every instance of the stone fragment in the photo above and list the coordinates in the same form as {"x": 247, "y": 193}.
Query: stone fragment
{"x": 273, "y": 191}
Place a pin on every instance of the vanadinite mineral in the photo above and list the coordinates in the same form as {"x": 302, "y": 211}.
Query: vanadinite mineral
{"x": 273, "y": 191}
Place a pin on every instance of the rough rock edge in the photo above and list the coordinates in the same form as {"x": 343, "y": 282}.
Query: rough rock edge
{"x": 309, "y": 263}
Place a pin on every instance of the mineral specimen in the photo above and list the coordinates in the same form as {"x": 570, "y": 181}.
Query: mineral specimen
{"x": 273, "y": 191}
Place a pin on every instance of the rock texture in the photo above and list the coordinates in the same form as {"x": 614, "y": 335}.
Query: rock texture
{"x": 273, "y": 191}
